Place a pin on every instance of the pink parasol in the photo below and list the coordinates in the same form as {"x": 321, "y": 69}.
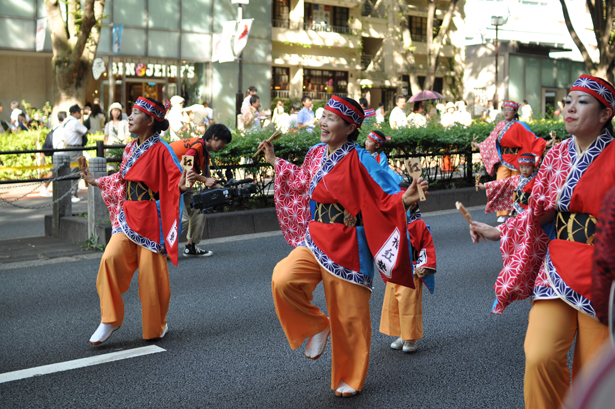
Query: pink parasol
{"x": 425, "y": 95}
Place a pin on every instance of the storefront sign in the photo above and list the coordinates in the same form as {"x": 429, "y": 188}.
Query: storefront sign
{"x": 98, "y": 67}
{"x": 152, "y": 70}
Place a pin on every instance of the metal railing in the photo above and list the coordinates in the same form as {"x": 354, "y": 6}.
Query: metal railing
{"x": 320, "y": 27}
{"x": 280, "y": 93}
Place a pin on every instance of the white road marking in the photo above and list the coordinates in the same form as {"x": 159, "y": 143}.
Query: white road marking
{"x": 78, "y": 363}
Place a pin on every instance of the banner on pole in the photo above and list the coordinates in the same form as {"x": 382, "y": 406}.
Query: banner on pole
{"x": 241, "y": 36}
{"x": 225, "y": 46}
{"x": 41, "y": 30}
{"x": 117, "y": 38}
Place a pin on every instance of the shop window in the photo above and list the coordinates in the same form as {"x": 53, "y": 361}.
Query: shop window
{"x": 280, "y": 13}
{"x": 563, "y": 74}
{"x": 438, "y": 84}
{"x": 321, "y": 84}
{"x": 320, "y": 17}
{"x": 130, "y": 13}
{"x": 418, "y": 28}
{"x": 23, "y": 8}
{"x": 280, "y": 77}
{"x": 196, "y": 16}
{"x": 163, "y": 14}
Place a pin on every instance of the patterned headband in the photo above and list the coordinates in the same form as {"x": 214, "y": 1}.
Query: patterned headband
{"x": 369, "y": 113}
{"x": 377, "y": 138}
{"x": 596, "y": 87}
{"x": 527, "y": 159}
{"x": 511, "y": 104}
{"x": 345, "y": 110}
{"x": 152, "y": 108}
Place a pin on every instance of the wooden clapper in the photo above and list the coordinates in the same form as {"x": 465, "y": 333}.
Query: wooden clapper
{"x": 413, "y": 165}
{"x": 187, "y": 164}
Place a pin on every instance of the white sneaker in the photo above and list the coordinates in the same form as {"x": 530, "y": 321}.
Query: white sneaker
{"x": 75, "y": 199}
{"x": 44, "y": 192}
{"x": 344, "y": 390}
{"x": 103, "y": 332}
{"x": 397, "y": 344}
{"x": 501, "y": 219}
{"x": 411, "y": 346}
{"x": 316, "y": 344}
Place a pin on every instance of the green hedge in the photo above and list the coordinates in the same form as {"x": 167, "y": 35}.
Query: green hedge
{"x": 29, "y": 140}
{"x": 430, "y": 140}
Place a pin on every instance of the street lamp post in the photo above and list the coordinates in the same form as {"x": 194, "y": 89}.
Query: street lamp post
{"x": 496, "y": 21}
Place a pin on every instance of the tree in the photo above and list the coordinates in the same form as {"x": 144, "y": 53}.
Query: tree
{"x": 601, "y": 12}
{"x": 75, "y": 32}
{"x": 434, "y": 45}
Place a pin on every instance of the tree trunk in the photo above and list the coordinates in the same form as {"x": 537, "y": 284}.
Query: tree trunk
{"x": 70, "y": 83}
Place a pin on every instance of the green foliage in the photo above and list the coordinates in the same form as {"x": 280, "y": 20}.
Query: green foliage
{"x": 30, "y": 140}
{"x": 92, "y": 244}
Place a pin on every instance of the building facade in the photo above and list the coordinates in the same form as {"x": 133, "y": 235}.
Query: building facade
{"x": 537, "y": 59}
{"x": 356, "y": 47}
{"x": 166, "y": 50}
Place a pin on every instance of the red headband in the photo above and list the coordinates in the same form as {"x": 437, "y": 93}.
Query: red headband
{"x": 345, "y": 110}
{"x": 151, "y": 108}
{"x": 377, "y": 138}
{"x": 596, "y": 87}
{"x": 511, "y": 104}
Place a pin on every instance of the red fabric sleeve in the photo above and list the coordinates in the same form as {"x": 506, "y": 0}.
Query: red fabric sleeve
{"x": 603, "y": 273}
{"x": 500, "y": 194}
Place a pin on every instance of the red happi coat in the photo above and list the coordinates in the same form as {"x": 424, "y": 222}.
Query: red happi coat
{"x": 535, "y": 263}
{"x": 153, "y": 225}
{"x": 424, "y": 250}
{"x": 500, "y": 193}
{"x": 506, "y": 134}
{"x": 604, "y": 258}
{"x": 351, "y": 178}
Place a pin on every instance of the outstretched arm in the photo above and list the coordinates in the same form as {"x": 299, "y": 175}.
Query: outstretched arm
{"x": 490, "y": 232}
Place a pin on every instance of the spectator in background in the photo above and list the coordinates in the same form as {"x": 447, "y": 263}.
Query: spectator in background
{"x": 380, "y": 113}
{"x": 96, "y": 120}
{"x": 294, "y": 112}
{"x": 174, "y": 116}
{"x": 22, "y": 123}
{"x": 370, "y": 114}
{"x": 74, "y": 132}
{"x": 116, "y": 130}
{"x": 209, "y": 115}
{"x": 462, "y": 116}
{"x": 102, "y": 110}
{"x": 478, "y": 108}
{"x": 252, "y": 116}
{"x": 15, "y": 111}
{"x": 245, "y": 106}
{"x": 560, "y": 109}
{"x": 57, "y": 142}
{"x": 417, "y": 118}
{"x": 398, "y": 115}
{"x": 448, "y": 117}
{"x": 526, "y": 112}
{"x": 281, "y": 119}
{"x": 306, "y": 118}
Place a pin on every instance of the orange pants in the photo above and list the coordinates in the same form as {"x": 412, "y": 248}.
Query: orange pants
{"x": 552, "y": 327}
{"x": 402, "y": 311}
{"x": 293, "y": 282}
{"x": 121, "y": 259}
{"x": 502, "y": 173}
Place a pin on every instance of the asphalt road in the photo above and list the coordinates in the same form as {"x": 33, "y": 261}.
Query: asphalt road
{"x": 226, "y": 349}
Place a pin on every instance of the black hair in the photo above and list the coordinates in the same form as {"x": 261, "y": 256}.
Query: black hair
{"x": 417, "y": 106}
{"x": 254, "y": 98}
{"x": 296, "y": 105}
{"x": 381, "y": 104}
{"x": 363, "y": 101}
{"x": 355, "y": 134}
{"x": 305, "y": 98}
{"x": 380, "y": 147}
{"x": 398, "y": 97}
{"x": 251, "y": 88}
{"x": 220, "y": 132}
{"x": 96, "y": 110}
{"x": 158, "y": 126}
{"x": 609, "y": 123}
{"x": 525, "y": 101}
{"x": 61, "y": 116}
